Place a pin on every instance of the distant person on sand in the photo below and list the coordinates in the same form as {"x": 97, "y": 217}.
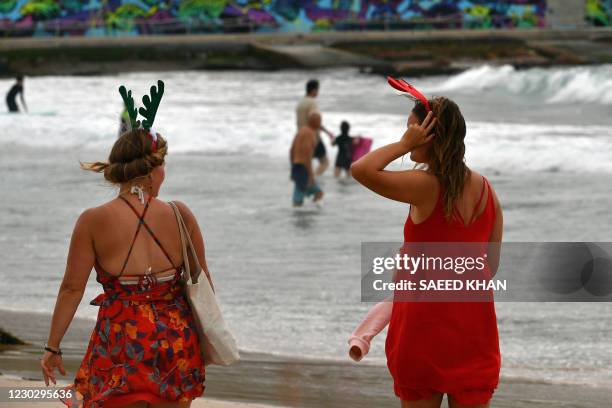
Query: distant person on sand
{"x": 11, "y": 96}
{"x": 305, "y": 107}
{"x": 300, "y": 155}
{"x": 124, "y": 122}
{"x": 345, "y": 150}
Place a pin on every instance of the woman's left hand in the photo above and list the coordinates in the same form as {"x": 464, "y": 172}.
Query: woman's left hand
{"x": 417, "y": 135}
{"x": 48, "y": 363}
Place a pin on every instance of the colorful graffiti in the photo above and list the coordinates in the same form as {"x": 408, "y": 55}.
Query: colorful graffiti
{"x": 598, "y": 12}
{"x": 133, "y": 17}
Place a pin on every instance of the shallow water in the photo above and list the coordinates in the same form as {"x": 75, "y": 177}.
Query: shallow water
{"x": 289, "y": 280}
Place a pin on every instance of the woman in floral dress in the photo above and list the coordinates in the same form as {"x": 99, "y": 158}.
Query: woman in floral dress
{"x": 144, "y": 349}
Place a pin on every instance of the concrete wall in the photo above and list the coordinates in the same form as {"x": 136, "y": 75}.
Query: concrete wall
{"x": 565, "y": 13}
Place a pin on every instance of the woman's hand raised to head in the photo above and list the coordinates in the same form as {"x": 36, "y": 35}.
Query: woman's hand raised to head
{"x": 408, "y": 186}
{"x": 418, "y": 135}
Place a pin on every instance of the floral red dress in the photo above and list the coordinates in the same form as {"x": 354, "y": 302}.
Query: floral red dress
{"x": 144, "y": 346}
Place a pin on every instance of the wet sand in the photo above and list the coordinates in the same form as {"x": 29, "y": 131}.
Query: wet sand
{"x": 289, "y": 382}
{"x": 16, "y": 383}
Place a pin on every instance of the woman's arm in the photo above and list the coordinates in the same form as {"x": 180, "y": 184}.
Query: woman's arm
{"x": 411, "y": 186}
{"x": 196, "y": 237}
{"x": 81, "y": 258}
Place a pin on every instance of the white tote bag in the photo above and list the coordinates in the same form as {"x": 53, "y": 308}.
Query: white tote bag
{"x": 216, "y": 342}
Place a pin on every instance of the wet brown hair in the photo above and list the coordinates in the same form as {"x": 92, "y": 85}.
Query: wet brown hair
{"x": 446, "y": 155}
{"x": 131, "y": 157}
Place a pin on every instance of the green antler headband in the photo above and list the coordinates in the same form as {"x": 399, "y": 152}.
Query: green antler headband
{"x": 148, "y": 112}
{"x": 151, "y": 104}
{"x": 129, "y": 106}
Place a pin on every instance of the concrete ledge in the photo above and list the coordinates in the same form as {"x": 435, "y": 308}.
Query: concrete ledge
{"x": 403, "y": 52}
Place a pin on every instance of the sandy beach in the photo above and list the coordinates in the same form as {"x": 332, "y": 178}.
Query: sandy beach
{"x": 16, "y": 383}
{"x": 279, "y": 381}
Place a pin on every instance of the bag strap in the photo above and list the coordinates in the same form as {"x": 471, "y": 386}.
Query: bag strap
{"x": 187, "y": 244}
{"x": 177, "y": 214}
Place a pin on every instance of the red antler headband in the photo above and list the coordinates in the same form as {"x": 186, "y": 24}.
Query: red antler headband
{"x": 409, "y": 91}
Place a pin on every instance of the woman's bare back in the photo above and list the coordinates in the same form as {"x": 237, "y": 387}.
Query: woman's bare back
{"x": 113, "y": 226}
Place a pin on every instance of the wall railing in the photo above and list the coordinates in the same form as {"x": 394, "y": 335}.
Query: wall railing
{"x": 142, "y": 26}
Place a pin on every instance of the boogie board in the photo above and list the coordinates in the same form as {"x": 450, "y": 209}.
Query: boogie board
{"x": 361, "y": 148}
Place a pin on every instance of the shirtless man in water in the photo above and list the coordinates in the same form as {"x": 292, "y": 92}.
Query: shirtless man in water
{"x": 300, "y": 155}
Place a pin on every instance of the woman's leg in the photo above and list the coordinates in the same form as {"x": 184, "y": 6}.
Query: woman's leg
{"x": 337, "y": 172}
{"x": 323, "y": 164}
{"x": 452, "y": 403}
{"x": 434, "y": 402}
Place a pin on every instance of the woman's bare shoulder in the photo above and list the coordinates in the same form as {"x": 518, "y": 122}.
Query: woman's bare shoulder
{"x": 424, "y": 174}
{"x": 89, "y": 219}
{"x": 424, "y": 178}
{"x": 97, "y": 213}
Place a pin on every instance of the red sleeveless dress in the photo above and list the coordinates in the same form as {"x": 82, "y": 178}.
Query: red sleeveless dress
{"x": 445, "y": 347}
{"x": 144, "y": 346}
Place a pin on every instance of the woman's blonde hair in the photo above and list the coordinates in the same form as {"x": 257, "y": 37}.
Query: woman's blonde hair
{"x": 131, "y": 157}
{"x": 446, "y": 156}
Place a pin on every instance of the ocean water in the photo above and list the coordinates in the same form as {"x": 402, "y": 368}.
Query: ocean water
{"x": 288, "y": 279}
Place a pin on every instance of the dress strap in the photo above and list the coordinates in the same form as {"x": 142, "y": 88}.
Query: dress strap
{"x": 458, "y": 215}
{"x": 141, "y": 222}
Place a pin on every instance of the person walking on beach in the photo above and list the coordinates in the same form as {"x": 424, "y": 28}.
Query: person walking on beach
{"x": 306, "y": 106}
{"x": 300, "y": 156}
{"x": 11, "y": 96}
{"x": 437, "y": 348}
{"x": 345, "y": 150}
{"x": 144, "y": 350}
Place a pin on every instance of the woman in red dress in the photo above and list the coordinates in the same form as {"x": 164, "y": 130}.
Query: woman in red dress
{"x": 437, "y": 348}
{"x": 144, "y": 349}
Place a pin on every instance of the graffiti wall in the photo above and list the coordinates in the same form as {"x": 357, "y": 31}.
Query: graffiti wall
{"x": 134, "y": 17}
{"x": 598, "y": 12}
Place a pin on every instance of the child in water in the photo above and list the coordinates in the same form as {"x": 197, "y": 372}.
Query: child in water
{"x": 345, "y": 150}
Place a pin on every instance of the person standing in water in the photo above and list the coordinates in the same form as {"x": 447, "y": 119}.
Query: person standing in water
{"x": 345, "y": 150}
{"x": 306, "y": 106}
{"x": 300, "y": 155}
{"x": 11, "y": 96}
